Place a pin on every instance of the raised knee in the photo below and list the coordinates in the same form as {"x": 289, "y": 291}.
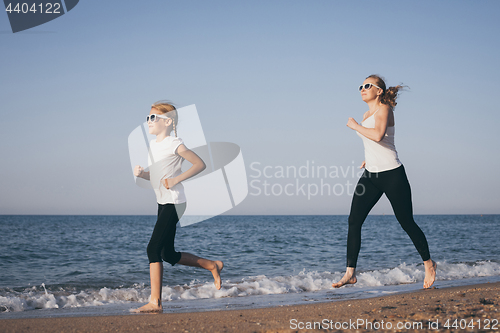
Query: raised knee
{"x": 355, "y": 221}
{"x": 171, "y": 256}
{"x": 153, "y": 253}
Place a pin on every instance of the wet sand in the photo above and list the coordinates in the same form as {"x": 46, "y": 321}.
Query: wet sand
{"x": 472, "y": 308}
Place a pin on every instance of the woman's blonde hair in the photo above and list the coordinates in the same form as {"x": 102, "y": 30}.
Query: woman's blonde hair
{"x": 168, "y": 109}
{"x": 389, "y": 95}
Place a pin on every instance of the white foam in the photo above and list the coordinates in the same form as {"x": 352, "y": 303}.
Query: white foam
{"x": 34, "y": 298}
{"x": 39, "y": 298}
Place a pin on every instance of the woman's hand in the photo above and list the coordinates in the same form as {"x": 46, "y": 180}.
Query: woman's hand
{"x": 169, "y": 182}
{"x": 351, "y": 123}
{"x": 362, "y": 165}
{"x": 138, "y": 170}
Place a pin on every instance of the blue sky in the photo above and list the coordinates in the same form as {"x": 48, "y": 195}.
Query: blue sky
{"x": 278, "y": 78}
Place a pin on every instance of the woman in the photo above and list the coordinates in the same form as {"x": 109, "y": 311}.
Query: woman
{"x": 165, "y": 158}
{"x": 383, "y": 173}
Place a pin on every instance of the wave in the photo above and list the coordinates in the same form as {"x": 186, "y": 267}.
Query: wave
{"x": 57, "y": 297}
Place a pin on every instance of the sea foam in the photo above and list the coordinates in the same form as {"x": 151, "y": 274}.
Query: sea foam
{"x": 305, "y": 281}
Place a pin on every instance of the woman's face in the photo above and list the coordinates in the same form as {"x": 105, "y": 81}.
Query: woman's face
{"x": 159, "y": 125}
{"x": 372, "y": 93}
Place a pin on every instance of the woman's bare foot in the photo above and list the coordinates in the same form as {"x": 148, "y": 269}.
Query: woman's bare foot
{"x": 149, "y": 308}
{"x": 349, "y": 278}
{"x": 430, "y": 273}
{"x": 219, "y": 265}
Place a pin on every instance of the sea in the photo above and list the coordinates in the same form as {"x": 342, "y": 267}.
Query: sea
{"x": 53, "y": 266}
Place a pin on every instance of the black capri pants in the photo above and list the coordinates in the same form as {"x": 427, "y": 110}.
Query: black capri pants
{"x": 369, "y": 189}
{"x": 161, "y": 244}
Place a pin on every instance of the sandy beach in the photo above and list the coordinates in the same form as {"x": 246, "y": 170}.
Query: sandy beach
{"x": 467, "y": 308}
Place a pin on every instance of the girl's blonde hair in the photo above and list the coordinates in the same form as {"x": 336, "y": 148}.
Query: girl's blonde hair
{"x": 168, "y": 109}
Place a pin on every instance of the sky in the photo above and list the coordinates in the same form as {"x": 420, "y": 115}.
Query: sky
{"x": 277, "y": 78}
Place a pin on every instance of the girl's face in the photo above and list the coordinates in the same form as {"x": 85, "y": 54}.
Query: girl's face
{"x": 371, "y": 93}
{"x": 160, "y": 125}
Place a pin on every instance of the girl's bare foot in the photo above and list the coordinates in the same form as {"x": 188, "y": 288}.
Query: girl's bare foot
{"x": 219, "y": 265}
{"x": 430, "y": 273}
{"x": 149, "y": 308}
{"x": 349, "y": 278}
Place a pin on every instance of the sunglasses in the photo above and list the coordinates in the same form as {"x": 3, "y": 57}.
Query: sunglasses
{"x": 367, "y": 86}
{"x": 154, "y": 117}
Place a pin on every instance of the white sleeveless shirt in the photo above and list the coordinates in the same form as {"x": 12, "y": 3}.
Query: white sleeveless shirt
{"x": 379, "y": 156}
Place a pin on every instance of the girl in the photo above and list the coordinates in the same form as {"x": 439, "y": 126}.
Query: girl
{"x": 383, "y": 173}
{"x": 165, "y": 158}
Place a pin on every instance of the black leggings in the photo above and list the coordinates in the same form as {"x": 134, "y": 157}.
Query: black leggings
{"x": 161, "y": 244}
{"x": 369, "y": 189}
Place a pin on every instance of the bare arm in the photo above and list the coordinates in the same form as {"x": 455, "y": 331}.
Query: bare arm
{"x": 381, "y": 120}
{"x": 197, "y": 166}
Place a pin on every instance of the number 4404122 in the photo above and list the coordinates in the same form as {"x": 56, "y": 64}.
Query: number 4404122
{"x": 50, "y": 8}
{"x": 485, "y": 324}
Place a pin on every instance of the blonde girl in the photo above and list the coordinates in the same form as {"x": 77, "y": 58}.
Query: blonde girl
{"x": 165, "y": 156}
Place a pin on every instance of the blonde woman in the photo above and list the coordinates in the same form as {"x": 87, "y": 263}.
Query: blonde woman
{"x": 165, "y": 158}
{"x": 384, "y": 174}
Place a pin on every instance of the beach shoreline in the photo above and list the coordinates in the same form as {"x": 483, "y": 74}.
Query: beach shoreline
{"x": 472, "y": 308}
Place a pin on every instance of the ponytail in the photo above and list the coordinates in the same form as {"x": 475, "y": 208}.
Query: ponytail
{"x": 390, "y": 94}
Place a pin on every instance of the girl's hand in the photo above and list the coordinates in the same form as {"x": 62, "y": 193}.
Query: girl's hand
{"x": 351, "y": 123}
{"x": 169, "y": 183}
{"x": 362, "y": 165}
{"x": 138, "y": 170}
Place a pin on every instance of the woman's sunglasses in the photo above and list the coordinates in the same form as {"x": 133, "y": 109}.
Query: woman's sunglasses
{"x": 154, "y": 117}
{"x": 367, "y": 86}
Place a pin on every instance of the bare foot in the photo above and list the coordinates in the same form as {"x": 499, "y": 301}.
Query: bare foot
{"x": 149, "y": 308}
{"x": 430, "y": 273}
{"x": 219, "y": 265}
{"x": 349, "y": 278}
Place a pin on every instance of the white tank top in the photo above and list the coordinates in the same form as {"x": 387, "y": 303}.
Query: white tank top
{"x": 379, "y": 156}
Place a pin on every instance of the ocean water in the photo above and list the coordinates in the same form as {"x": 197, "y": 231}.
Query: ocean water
{"x": 97, "y": 265}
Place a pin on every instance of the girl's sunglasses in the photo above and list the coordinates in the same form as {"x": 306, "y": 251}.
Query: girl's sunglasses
{"x": 154, "y": 117}
{"x": 367, "y": 86}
